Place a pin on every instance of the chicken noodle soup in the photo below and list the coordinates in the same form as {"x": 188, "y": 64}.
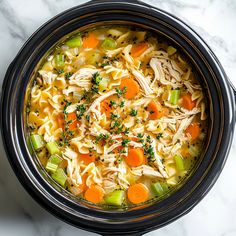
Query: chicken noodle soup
{"x": 116, "y": 116}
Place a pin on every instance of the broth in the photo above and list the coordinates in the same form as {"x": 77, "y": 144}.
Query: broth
{"x": 116, "y": 115}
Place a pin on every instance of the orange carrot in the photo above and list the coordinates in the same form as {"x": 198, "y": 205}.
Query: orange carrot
{"x": 138, "y": 49}
{"x": 138, "y": 193}
{"x": 83, "y": 186}
{"x": 61, "y": 121}
{"x": 164, "y": 111}
{"x": 105, "y": 108}
{"x": 155, "y": 111}
{"x": 135, "y": 157}
{"x": 90, "y": 41}
{"x": 94, "y": 194}
{"x": 187, "y": 102}
{"x": 87, "y": 158}
{"x": 194, "y": 130}
{"x": 184, "y": 152}
{"x": 73, "y": 118}
{"x": 132, "y": 87}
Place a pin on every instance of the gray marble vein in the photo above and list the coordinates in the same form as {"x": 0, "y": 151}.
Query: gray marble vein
{"x": 214, "y": 21}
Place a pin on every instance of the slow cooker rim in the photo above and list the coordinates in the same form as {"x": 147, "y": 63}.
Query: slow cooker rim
{"x": 225, "y": 85}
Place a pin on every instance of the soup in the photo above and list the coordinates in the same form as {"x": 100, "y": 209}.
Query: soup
{"x": 117, "y": 116}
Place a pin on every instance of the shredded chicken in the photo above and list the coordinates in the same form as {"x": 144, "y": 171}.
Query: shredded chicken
{"x": 142, "y": 82}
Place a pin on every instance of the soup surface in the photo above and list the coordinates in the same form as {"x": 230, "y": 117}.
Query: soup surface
{"x": 116, "y": 116}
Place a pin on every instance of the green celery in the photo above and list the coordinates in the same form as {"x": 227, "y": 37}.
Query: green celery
{"x": 179, "y": 163}
{"x": 174, "y": 97}
{"x": 37, "y": 141}
{"x": 53, "y": 163}
{"x": 59, "y": 60}
{"x": 171, "y": 50}
{"x": 115, "y": 198}
{"x": 93, "y": 57}
{"x": 108, "y": 43}
{"x": 103, "y": 84}
{"x": 53, "y": 148}
{"x": 74, "y": 42}
{"x": 157, "y": 189}
{"x": 60, "y": 176}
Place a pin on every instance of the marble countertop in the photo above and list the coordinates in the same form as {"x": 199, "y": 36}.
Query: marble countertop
{"x": 215, "y": 21}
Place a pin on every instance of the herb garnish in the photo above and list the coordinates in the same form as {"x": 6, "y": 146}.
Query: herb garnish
{"x": 133, "y": 112}
{"x": 122, "y": 104}
{"x": 126, "y": 132}
{"x": 114, "y": 116}
{"x": 125, "y": 142}
{"x": 80, "y": 111}
{"x": 96, "y": 79}
{"x": 68, "y": 75}
{"x": 120, "y": 91}
{"x": 112, "y": 104}
{"x": 160, "y": 135}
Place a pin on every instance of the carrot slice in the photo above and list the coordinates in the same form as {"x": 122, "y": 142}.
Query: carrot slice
{"x": 132, "y": 87}
{"x": 83, "y": 186}
{"x": 73, "y": 118}
{"x": 61, "y": 121}
{"x": 138, "y": 49}
{"x": 90, "y": 41}
{"x": 87, "y": 158}
{"x": 164, "y": 112}
{"x": 105, "y": 108}
{"x": 138, "y": 193}
{"x": 154, "y": 109}
{"x": 194, "y": 130}
{"x": 94, "y": 194}
{"x": 187, "y": 102}
{"x": 135, "y": 157}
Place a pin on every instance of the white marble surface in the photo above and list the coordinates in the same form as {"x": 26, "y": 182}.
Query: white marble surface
{"x": 215, "y": 21}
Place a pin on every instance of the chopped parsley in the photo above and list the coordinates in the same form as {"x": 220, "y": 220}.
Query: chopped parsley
{"x": 114, "y": 116}
{"x": 112, "y": 104}
{"x": 96, "y": 79}
{"x": 65, "y": 107}
{"x": 68, "y": 75}
{"x": 160, "y": 135}
{"x": 60, "y": 71}
{"x": 81, "y": 110}
{"x": 148, "y": 151}
{"x": 139, "y": 135}
{"x": 102, "y": 137}
{"x": 125, "y": 142}
{"x": 120, "y": 91}
{"x": 126, "y": 132}
{"x": 122, "y": 104}
{"x": 149, "y": 140}
{"x": 87, "y": 117}
{"x": 133, "y": 112}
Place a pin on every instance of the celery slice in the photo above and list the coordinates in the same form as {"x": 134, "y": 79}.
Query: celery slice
{"x": 115, "y": 198}
{"x": 174, "y": 97}
{"x": 108, "y": 43}
{"x": 159, "y": 188}
{"x": 74, "y": 42}
{"x": 103, "y": 84}
{"x": 171, "y": 50}
{"x": 93, "y": 57}
{"x": 165, "y": 187}
{"x": 194, "y": 151}
{"x": 53, "y": 163}
{"x": 179, "y": 163}
{"x": 53, "y": 148}
{"x": 60, "y": 176}
{"x": 59, "y": 60}
{"x": 37, "y": 141}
